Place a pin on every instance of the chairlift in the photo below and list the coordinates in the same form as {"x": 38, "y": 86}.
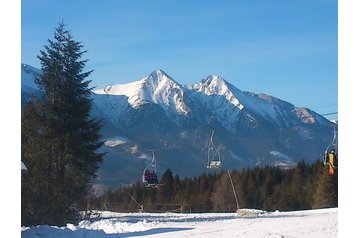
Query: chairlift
{"x": 330, "y": 157}
{"x": 214, "y": 158}
{"x": 149, "y": 177}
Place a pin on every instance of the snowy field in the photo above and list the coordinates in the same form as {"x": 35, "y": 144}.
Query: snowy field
{"x": 312, "y": 223}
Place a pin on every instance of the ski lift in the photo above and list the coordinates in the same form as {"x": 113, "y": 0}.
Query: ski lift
{"x": 330, "y": 157}
{"x": 214, "y": 158}
{"x": 149, "y": 177}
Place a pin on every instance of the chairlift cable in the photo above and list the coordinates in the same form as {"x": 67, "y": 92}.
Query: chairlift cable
{"x": 331, "y": 113}
{"x": 233, "y": 190}
{"x": 324, "y": 114}
{"x": 140, "y": 206}
{"x": 333, "y": 140}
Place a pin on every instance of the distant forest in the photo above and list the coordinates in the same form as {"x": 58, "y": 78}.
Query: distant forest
{"x": 306, "y": 186}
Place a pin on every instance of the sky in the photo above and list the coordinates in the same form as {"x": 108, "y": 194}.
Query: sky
{"x": 287, "y": 49}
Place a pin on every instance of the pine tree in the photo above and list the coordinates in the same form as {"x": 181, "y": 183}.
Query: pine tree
{"x": 326, "y": 192}
{"x": 59, "y": 138}
{"x": 298, "y": 187}
{"x": 222, "y": 197}
{"x": 166, "y": 191}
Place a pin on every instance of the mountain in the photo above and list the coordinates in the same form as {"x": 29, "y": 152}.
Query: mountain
{"x": 176, "y": 121}
{"x": 156, "y": 89}
{"x": 28, "y": 85}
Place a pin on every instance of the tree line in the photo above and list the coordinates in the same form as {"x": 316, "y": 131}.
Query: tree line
{"x": 306, "y": 186}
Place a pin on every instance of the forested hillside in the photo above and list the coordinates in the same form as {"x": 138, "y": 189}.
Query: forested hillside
{"x": 305, "y": 186}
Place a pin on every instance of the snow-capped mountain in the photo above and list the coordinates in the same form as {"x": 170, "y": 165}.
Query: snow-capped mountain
{"x": 158, "y": 113}
{"x": 28, "y": 85}
{"x": 28, "y": 74}
{"x": 214, "y": 85}
{"x": 211, "y": 98}
{"x": 157, "y": 88}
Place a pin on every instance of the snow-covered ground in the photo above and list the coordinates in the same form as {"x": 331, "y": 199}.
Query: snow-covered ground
{"x": 311, "y": 223}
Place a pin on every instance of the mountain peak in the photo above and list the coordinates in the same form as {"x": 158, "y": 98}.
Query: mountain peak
{"x": 212, "y": 84}
{"x": 159, "y": 75}
{"x": 163, "y": 90}
{"x": 214, "y": 78}
{"x": 159, "y": 71}
{"x": 216, "y": 85}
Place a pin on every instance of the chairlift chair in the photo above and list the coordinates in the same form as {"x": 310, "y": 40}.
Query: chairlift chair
{"x": 149, "y": 176}
{"x": 330, "y": 157}
{"x": 214, "y": 158}
{"x": 214, "y": 164}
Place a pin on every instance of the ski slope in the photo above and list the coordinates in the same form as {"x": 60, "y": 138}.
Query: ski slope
{"x": 311, "y": 223}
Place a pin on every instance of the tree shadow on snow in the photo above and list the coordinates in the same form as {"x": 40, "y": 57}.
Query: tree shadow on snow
{"x": 55, "y": 232}
{"x": 159, "y": 218}
{"x": 274, "y": 215}
{"x": 152, "y": 231}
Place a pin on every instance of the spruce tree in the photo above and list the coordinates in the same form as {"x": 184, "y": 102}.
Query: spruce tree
{"x": 60, "y": 140}
{"x": 326, "y": 192}
{"x": 222, "y": 197}
{"x": 166, "y": 191}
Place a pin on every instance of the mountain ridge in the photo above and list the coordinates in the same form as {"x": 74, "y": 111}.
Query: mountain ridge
{"x": 158, "y": 113}
{"x": 161, "y": 89}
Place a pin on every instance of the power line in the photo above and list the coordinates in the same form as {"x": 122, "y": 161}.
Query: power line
{"x": 323, "y": 114}
{"x": 330, "y": 113}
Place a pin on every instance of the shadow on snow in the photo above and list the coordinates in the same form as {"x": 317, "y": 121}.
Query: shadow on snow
{"x": 55, "y": 232}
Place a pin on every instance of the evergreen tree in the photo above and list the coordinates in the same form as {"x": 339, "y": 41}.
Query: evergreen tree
{"x": 326, "y": 193}
{"x": 166, "y": 192}
{"x": 59, "y": 138}
{"x": 177, "y": 186}
{"x": 298, "y": 187}
{"x": 267, "y": 189}
{"x": 222, "y": 197}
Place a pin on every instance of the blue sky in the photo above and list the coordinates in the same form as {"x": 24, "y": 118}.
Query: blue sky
{"x": 287, "y": 49}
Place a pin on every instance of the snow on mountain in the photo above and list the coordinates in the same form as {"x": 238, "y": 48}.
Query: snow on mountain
{"x": 262, "y": 104}
{"x": 310, "y": 223}
{"x": 215, "y": 95}
{"x": 157, "y": 88}
{"x": 28, "y": 74}
{"x": 267, "y": 107}
{"x": 280, "y": 155}
{"x": 28, "y": 85}
{"x": 222, "y": 101}
{"x": 334, "y": 121}
{"x": 282, "y": 160}
{"x": 115, "y": 141}
{"x": 214, "y": 85}
{"x": 244, "y": 161}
